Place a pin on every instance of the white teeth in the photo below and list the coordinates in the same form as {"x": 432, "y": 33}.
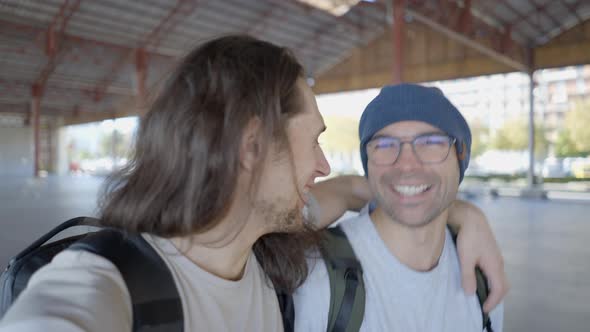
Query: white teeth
{"x": 411, "y": 190}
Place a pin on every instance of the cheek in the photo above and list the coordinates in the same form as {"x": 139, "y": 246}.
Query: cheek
{"x": 450, "y": 176}
{"x": 300, "y": 169}
{"x": 375, "y": 178}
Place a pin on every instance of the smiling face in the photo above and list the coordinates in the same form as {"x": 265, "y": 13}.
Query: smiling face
{"x": 410, "y": 192}
{"x": 291, "y": 169}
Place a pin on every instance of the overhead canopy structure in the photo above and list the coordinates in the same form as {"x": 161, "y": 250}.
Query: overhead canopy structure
{"x": 84, "y": 61}
{"x": 94, "y": 60}
{"x": 456, "y": 39}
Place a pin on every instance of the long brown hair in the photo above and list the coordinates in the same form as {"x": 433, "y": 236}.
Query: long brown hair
{"x": 183, "y": 174}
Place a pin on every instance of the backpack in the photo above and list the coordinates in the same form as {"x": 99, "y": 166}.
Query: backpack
{"x": 155, "y": 300}
{"x": 158, "y": 308}
{"x": 347, "y": 289}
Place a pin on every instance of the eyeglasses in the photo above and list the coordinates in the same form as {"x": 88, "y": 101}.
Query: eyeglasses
{"x": 428, "y": 148}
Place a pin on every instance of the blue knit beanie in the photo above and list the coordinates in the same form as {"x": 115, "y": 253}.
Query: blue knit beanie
{"x": 411, "y": 102}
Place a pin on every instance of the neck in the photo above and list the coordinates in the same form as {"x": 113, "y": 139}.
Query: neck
{"x": 224, "y": 249}
{"x": 416, "y": 247}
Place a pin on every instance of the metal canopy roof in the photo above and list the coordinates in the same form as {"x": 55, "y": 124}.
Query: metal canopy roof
{"x": 85, "y": 58}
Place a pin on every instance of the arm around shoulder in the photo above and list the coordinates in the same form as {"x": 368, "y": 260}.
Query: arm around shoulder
{"x": 477, "y": 246}
{"x": 338, "y": 195}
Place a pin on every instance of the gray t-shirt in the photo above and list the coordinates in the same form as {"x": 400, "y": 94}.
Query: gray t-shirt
{"x": 79, "y": 291}
{"x": 397, "y": 297}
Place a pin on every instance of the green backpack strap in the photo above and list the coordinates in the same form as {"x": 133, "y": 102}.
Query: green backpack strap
{"x": 347, "y": 288}
{"x": 482, "y": 288}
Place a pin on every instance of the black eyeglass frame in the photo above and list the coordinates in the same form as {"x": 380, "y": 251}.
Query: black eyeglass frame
{"x": 451, "y": 140}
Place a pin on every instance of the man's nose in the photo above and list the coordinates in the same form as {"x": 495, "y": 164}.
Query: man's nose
{"x": 322, "y": 167}
{"x": 407, "y": 158}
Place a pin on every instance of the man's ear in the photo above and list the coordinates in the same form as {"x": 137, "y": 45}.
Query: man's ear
{"x": 250, "y": 146}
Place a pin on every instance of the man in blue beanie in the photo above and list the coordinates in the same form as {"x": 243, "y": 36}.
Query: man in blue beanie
{"x": 415, "y": 147}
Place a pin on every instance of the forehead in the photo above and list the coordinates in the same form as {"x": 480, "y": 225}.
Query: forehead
{"x": 408, "y": 129}
{"x": 309, "y": 115}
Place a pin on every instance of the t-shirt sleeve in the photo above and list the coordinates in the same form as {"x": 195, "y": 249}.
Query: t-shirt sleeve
{"x": 77, "y": 291}
{"x": 312, "y": 299}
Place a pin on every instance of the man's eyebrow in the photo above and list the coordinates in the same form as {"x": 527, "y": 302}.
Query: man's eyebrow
{"x": 383, "y": 136}
{"x": 437, "y": 132}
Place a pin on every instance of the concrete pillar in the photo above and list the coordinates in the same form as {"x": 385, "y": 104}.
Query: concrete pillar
{"x": 35, "y": 112}
{"x": 62, "y": 157}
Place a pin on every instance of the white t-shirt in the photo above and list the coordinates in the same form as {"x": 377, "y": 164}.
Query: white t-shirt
{"x": 80, "y": 291}
{"x": 397, "y": 297}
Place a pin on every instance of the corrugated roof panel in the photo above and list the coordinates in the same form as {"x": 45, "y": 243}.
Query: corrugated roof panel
{"x": 98, "y": 52}
{"x": 40, "y": 12}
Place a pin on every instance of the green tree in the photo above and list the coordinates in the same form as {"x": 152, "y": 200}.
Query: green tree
{"x": 564, "y": 145}
{"x": 514, "y": 135}
{"x": 480, "y": 138}
{"x": 115, "y": 144}
{"x": 577, "y": 125}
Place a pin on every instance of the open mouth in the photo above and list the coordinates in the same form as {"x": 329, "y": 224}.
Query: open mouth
{"x": 413, "y": 190}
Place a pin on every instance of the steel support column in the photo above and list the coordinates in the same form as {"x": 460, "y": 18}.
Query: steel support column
{"x": 531, "y": 70}
{"x": 35, "y": 112}
{"x": 398, "y": 33}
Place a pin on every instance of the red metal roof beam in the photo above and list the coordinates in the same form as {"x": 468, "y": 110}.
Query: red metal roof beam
{"x": 505, "y": 41}
{"x": 572, "y": 8}
{"x": 81, "y": 41}
{"x": 448, "y": 30}
{"x": 523, "y": 17}
{"x": 141, "y": 76}
{"x": 167, "y": 24}
{"x": 399, "y": 35}
{"x": 54, "y": 40}
{"x": 465, "y": 21}
{"x": 543, "y": 9}
{"x": 175, "y": 15}
{"x": 263, "y": 19}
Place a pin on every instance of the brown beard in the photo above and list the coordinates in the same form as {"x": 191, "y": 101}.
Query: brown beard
{"x": 288, "y": 222}
{"x": 280, "y": 221}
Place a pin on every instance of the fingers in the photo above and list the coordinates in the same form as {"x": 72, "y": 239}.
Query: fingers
{"x": 498, "y": 285}
{"x": 497, "y": 293}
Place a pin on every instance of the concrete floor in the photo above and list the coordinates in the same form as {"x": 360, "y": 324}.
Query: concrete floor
{"x": 544, "y": 244}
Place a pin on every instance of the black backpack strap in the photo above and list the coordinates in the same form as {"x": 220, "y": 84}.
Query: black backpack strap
{"x": 347, "y": 288}
{"x": 287, "y": 311}
{"x": 78, "y": 221}
{"x": 482, "y": 290}
{"x": 154, "y": 296}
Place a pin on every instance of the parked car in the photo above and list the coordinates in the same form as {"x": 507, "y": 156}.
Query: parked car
{"x": 581, "y": 168}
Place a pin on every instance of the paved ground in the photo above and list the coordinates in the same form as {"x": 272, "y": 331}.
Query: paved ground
{"x": 544, "y": 243}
